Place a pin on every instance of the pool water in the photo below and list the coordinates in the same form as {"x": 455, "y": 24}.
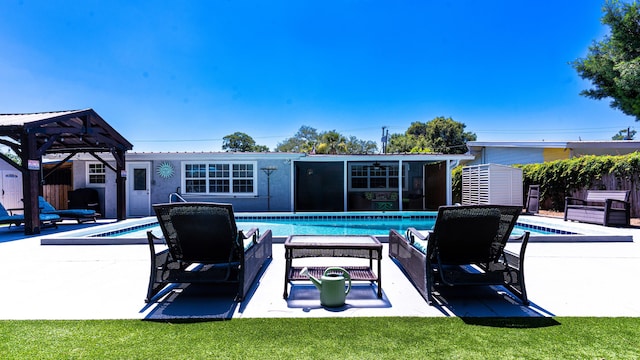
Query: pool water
{"x": 376, "y": 227}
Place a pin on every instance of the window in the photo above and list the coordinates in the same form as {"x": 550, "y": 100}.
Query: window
{"x": 219, "y": 178}
{"x": 96, "y": 174}
{"x": 368, "y": 177}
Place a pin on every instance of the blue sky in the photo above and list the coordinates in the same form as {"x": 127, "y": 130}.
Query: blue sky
{"x": 180, "y": 75}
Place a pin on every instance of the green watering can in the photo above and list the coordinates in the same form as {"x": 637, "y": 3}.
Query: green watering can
{"x": 331, "y": 286}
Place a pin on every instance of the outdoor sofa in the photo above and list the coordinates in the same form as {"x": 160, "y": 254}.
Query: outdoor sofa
{"x": 603, "y": 207}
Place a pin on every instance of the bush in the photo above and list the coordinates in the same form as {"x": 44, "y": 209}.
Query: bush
{"x": 561, "y": 178}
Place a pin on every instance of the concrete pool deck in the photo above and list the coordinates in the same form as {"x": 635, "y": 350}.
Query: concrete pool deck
{"x": 110, "y": 281}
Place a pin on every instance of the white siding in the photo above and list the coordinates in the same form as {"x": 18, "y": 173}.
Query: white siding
{"x": 509, "y": 156}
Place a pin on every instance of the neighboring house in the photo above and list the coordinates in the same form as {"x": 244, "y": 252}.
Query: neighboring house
{"x": 531, "y": 152}
{"x": 273, "y": 181}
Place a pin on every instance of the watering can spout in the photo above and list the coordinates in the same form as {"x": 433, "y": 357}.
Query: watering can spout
{"x": 315, "y": 281}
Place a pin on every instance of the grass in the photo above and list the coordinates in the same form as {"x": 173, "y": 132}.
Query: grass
{"x": 325, "y": 338}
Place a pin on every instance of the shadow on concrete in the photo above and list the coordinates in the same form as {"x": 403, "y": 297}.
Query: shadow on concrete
{"x": 307, "y": 298}
{"x": 512, "y": 322}
{"x": 14, "y": 233}
{"x": 485, "y": 302}
{"x": 199, "y": 302}
{"x": 194, "y": 303}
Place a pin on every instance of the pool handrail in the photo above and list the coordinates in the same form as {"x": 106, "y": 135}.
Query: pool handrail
{"x": 176, "y": 195}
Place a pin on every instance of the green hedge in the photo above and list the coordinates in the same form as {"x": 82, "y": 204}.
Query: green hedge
{"x": 561, "y": 178}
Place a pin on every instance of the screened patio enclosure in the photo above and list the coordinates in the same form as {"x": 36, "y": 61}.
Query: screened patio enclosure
{"x": 371, "y": 185}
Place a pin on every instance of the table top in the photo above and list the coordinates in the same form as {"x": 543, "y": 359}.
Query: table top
{"x": 363, "y": 241}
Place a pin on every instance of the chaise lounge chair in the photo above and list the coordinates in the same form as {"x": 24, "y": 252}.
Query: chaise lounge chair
{"x": 204, "y": 245}
{"x": 465, "y": 247}
{"x": 7, "y": 217}
{"x": 81, "y": 215}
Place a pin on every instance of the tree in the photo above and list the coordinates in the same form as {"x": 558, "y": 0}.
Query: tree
{"x": 613, "y": 64}
{"x": 624, "y": 134}
{"x": 308, "y": 140}
{"x": 447, "y": 136}
{"x": 354, "y": 145}
{"x": 304, "y": 141}
{"x": 332, "y": 142}
{"x": 241, "y": 142}
{"x": 440, "y": 135}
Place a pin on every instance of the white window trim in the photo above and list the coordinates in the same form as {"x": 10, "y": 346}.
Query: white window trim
{"x": 87, "y": 174}
{"x": 405, "y": 172}
{"x": 183, "y": 180}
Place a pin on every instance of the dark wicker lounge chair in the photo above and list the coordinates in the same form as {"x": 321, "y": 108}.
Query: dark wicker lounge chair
{"x": 7, "y": 217}
{"x": 81, "y": 215}
{"x": 465, "y": 247}
{"x": 205, "y": 235}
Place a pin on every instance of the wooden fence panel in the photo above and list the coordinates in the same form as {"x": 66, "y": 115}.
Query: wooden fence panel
{"x": 57, "y": 195}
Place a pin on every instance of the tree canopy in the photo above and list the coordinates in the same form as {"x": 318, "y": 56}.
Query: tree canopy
{"x": 624, "y": 134}
{"x": 241, "y": 142}
{"x": 308, "y": 140}
{"x": 613, "y": 64}
{"x": 440, "y": 135}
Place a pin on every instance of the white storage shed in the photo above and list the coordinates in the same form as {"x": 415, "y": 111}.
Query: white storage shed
{"x": 492, "y": 184}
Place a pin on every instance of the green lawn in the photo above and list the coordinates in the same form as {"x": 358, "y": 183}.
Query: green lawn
{"x": 329, "y": 338}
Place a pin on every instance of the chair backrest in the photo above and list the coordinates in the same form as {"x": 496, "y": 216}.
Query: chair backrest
{"x": 508, "y": 218}
{"x": 3, "y": 211}
{"x": 471, "y": 234}
{"x": 199, "y": 232}
{"x": 533, "y": 198}
{"x": 44, "y": 206}
{"x": 603, "y": 195}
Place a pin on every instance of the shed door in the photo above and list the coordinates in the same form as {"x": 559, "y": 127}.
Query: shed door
{"x": 11, "y": 189}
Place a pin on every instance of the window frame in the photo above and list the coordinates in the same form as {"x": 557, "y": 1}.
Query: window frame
{"x": 372, "y": 173}
{"x": 89, "y": 174}
{"x": 232, "y": 176}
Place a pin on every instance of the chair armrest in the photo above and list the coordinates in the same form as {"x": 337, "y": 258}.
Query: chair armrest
{"x": 253, "y": 232}
{"x": 14, "y": 209}
{"x": 571, "y": 200}
{"x": 512, "y": 257}
{"x": 412, "y": 233}
{"x": 610, "y": 202}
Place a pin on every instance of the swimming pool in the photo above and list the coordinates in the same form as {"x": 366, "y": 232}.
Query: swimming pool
{"x": 134, "y": 231}
{"x": 323, "y": 224}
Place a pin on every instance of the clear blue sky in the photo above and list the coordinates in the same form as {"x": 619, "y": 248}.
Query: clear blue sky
{"x": 180, "y": 75}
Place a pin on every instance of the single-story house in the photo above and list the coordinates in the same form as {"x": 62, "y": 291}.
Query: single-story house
{"x": 274, "y": 181}
{"x": 532, "y": 152}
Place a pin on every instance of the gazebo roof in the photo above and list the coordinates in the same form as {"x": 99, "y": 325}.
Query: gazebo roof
{"x": 63, "y": 131}
{"x": 33, "y": 135}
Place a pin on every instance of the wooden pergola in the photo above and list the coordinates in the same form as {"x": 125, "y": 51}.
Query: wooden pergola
{"x": 31, "y": 136}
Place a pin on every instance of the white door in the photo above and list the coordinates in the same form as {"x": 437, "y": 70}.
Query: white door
{"x": 11, "y": 189}
{"x": 138, "y": 193}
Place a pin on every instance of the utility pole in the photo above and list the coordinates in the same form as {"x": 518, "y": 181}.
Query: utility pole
{"x": 384, "y": 139}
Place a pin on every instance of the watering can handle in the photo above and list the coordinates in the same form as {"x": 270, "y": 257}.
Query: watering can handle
{"x": 346, "y": 276}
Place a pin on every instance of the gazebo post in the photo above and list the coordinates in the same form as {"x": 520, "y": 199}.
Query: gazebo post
{"x": 121, "y": 189}
{"x": 31, "y": 163}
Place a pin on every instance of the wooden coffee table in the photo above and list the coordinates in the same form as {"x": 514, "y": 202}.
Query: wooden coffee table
{"x": 354, "y": 246}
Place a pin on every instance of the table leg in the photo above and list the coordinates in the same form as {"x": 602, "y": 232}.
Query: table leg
{"x": 379, "y": 276}
{"x": 287, "y": 269}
